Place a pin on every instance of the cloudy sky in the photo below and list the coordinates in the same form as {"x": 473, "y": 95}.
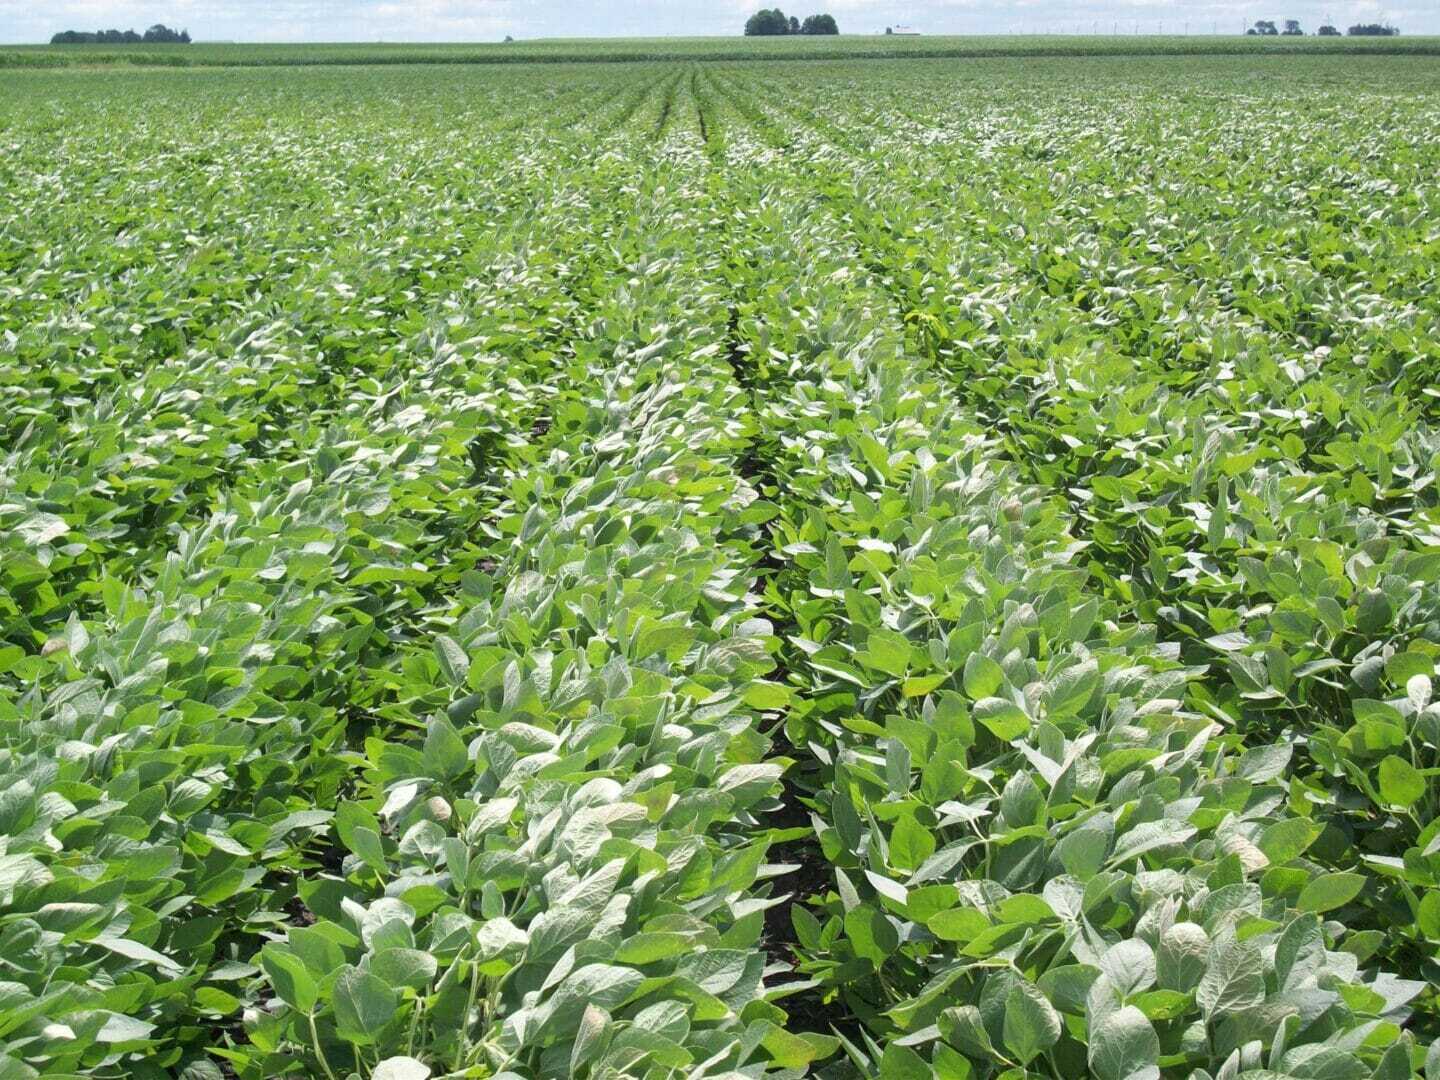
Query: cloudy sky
{"x": 482, "y": 20}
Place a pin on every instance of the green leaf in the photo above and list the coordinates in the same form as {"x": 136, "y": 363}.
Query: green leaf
{"x": 594, "y": 1022}
{"x": 1068, "y": 986}
{"x": 217, "y": 1001}
{"x": 1006, "y": 720}
{"x": 1163, "y": 1004}
{"x": 1082, "y": 853}
{"x": 983, "y": 677}
{"x": 902, "y": 1063}
{"x": 767, "y": 696}
{"x": 1373, "y": 613}
{"x": 288, "y": 975}
{"x": 647, "y": 948}
{"x": 1299, "y": 951}
{"x": 927, "y": 900}
{"x": 870, "y": 933}
{"x": 134, "y": 950}
{"x": 350, "y": 816}
{"x": 887, "y": 652}
{"x": 1428, "y": 918}
{"x": 1181, "y": 959}
{"x": 796, "y": 1050}
{"x": 1401, "y": 784}
{"x": 1031, "y": 1024}
{"x": 949, "y": 1064}
{"x": 446, "y": 756}
{"x": 958, "y": 924}
{"x": 670, "y": 638}
{"x": 404, "y": 967}
{"x": 318, "y": 947}
{"x": 363, "y": 1005}
{"x": 1071, "y": 689}
{"x": 1021, "y": 803}
{"x": 1330, "y": 891}
{"x": 1233, "y": 982}
{"x": 910, "y": 843}
{"x": 454, "y": 663}
{"x": 1121, "y": 1043}
{"x": 963, "y": 1027}
{"x": 1130, "y": 966}
{"x": 1149, "y": 835}
{"x": 1287, "y": 840}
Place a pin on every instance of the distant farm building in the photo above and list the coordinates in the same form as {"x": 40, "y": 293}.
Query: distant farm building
{"x": 906, "y": 31}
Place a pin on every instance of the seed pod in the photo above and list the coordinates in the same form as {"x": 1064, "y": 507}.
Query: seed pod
{"x": 54, "y": 645}
{"x": 1012, "y": 509}
{"x": 438, "y": 809}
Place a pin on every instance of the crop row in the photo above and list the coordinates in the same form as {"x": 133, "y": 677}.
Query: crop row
{"x": 1268, "y": 500}
{"x": 1027, "y": 816}
{"x": 229, "y": 559}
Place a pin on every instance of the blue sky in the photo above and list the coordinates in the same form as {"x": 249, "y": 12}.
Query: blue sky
{"x": 483, "y": 20}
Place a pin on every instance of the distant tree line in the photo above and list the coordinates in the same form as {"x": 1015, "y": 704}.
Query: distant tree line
{"x": 1266, "y": 28}
{"x": 772, "y": 22}
{"x": 159, "y": 34}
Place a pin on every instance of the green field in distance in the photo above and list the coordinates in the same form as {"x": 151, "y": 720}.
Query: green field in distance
{"x": 601, "y": 50}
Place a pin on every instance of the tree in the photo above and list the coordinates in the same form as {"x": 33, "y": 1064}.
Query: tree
{"x": 160, "y": 34}
{"x": 794, "y": 25}
{"x": 1373, "y": 30}
{"x": 889, "y": 30}
{"x": 1265, "y": 28}
{"x": 768, "y": 22}
{"x": 157, "y": 34}
{"x": 1292, "y": 28}
{"x": 820, "y": 25}
{"x": 1328, "y": 31}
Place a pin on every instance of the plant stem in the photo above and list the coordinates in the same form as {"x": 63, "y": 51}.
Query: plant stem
{"x": 465, "y": 1019}
{"x": 319, "y": 1050}
{"x": 414, "y": 1023}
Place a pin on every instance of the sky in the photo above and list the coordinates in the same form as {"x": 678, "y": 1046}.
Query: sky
{"x": 489, "y": 20}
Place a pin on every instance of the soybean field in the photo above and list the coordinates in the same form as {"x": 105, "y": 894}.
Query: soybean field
{"x": 889, "y": 568}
